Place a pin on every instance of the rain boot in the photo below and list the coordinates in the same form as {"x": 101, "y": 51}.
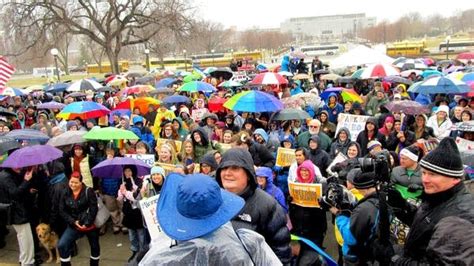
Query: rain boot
{"x": 94, "y": 262}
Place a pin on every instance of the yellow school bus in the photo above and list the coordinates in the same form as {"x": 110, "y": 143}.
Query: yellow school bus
{"x": 407, "y": 49}
{"x": 170, "y": 63}
{"x": 106, "y": 68}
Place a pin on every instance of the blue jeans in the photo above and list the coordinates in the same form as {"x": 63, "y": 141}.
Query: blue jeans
{"x": 137, "y": 239}
{"x": 70, "y": 235}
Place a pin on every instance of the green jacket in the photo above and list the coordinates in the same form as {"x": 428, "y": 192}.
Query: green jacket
{"x": 304, "y": 137}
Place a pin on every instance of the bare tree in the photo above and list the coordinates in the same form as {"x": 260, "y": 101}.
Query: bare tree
{"x": 111, "y": 24}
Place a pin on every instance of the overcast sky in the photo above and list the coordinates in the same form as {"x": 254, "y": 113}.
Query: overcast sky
{"x": 269, "y": 14}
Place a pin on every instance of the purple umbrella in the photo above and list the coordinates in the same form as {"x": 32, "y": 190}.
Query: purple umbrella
{"x": 407, "y": 107}
{"x": 32, "y": 155}
{"x": 325, "y": 94}
{"x": 114, "y": 167}
{"x": 51, "y": 105}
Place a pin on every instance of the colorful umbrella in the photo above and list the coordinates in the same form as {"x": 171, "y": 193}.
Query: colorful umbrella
{"x": 379, "y": 71}
{"x": 216, "y": 104}
{"x": 455, "y": 75}
{"x": 114, "y": 168}
{"x": 143, "y": 103}
{"x": 286, "y": 73}
{"x": 175, "y": 99}
{"x": 68, "y": 138}
{"x": 468, "y": 77}
{"x": 471, "y": 85}
{"x": 254, "y": 101}
{"x": 32, "y": 155}
{"x": 84, "y": 85}
{"x": 195, "y": 86}
{"x": 291, "y": 114}
{"x": 440, "y": 84}
{"x": 84, "y": 110}
{"x": 350, "y": 95}
{"x": 116, "y": 80}
{"x": 465, "y": 56}
{"x": 325, "y": 94}
{"x": 28, "y": 135}
{"x": 411, "y": 64}
{"x": 12, "y": 92}
{"x": 109, "y": 133}
{"x": 168, "y": 73}
{"x": 191, "y": 77}
{"x": 230, "y": 84}
{"x": 51, "y": 105}
{"x": 138, "y": 89}
{"x": 269, "y": 78}
{"x": 407, "y": 107}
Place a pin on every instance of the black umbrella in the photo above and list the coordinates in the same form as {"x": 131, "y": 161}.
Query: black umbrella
{"x": 145, "y": 80}
{"x": 105, "y": 89}
{"x": 407, "y": 107}
{"x": 223, "y": 72}
{"x": 8, "y": 144}
{"x": 6, "y": 112}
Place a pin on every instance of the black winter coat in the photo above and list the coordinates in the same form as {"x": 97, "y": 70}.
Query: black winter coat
{"x": 363, "y": 140}
{"x": 321, "y": 159}
{"x": 309, "y": 223}
{"x": 263, "y": 214}
{"x": 457, "y": 202}
{"x": 83, "y": 209}
{"x": 15, "y": 190}
{"x": 393, "y": 140}
{"x": 261, "y": 155}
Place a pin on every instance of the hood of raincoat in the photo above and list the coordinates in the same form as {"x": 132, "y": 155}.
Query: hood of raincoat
{"x": 262, "y": 133}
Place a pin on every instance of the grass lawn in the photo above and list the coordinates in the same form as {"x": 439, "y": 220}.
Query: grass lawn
{"x": 22, "y": 81}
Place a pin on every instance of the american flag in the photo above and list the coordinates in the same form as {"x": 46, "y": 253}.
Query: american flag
{"x": 6, "y": 71}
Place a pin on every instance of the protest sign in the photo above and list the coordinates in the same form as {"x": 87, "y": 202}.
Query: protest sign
{"x": 175, "y": 143}
{"x": 285, "y": 157}
{"x": 169, "y": 168}
{"x": 305, "y": 195}
{"x": 146, "y": 158}
{"x": 355, "y": 123}
{"x": 148, "y": 209}
{"x": 464, "y": 144}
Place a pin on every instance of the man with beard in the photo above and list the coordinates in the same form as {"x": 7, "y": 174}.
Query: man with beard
{"x": 314, "y": 127}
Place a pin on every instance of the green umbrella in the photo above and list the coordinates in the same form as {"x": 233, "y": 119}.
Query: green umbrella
{"x": 109, "y": 133}
{"x": 291, "y": 114}
{"x": 192, "y": 77}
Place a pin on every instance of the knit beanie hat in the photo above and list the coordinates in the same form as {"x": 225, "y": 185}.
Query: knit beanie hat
{"x": 444, "y": 159}
{"x": 157, "y": 170}
{"x": 372, "y": 144}
{"x": 412, "y": 152}
{"x": 364, "y": 180}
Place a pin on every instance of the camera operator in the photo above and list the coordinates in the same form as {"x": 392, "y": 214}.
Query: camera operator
{"x": 444, "y": 195}
{"x": 358, "y": 228}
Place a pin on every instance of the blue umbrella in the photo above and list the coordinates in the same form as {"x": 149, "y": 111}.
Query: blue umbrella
{"x": 325, "y": 94}
{"x": 468, "y": 77}
{"x": 114, "y": 167}
{"x": 254, "y": 101}
{"x": 175, "y": 99}
{"x": 28, "y": 134}
{"x": 441, "y": 84}
{"x": 32, "y": 155}
{"x": 57, "y": 87}
{"x": 431, "y": 72}
{"x": 163, "y": 83}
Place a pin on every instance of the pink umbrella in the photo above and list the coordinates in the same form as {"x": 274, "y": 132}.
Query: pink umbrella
{"x": 269, "y": 78}
{"x": 465, "y": 56}
{"x": 379, "y": 71}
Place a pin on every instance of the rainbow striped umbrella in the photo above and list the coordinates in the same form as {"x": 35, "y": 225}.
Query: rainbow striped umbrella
{"x": 84, "y": 110}
{"x": 254, "y": 101}
{"x": 195, "y": 86}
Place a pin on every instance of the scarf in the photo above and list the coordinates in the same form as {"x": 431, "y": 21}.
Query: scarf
{"x": 76, "y": 166}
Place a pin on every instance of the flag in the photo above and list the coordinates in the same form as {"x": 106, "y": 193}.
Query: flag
{"x": 6, "y": 71}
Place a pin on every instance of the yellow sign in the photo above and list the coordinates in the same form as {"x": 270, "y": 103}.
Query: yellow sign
{"x": 285, "y": 157}
{"x": 305, "y": 195}
{"x": 169, "y": 168}
{"x": 177, "y": 144}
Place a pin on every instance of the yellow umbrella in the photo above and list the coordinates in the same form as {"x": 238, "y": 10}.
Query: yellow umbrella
{"x": 142, "y": 103}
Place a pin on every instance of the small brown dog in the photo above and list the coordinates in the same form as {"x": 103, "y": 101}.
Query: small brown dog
{"x": 49, "y": 240}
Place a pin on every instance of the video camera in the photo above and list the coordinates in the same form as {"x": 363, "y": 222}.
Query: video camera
{"x": 380, "y": 165}
{"x": 336, "y": 196}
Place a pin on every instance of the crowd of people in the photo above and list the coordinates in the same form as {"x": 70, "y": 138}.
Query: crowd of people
{"x": 230, "y": 157}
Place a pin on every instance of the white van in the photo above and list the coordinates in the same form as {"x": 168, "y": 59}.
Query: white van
{"x": 46, "y": 72}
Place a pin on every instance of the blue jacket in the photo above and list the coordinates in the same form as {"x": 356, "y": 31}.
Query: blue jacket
{"x": 333, "y": 112}
{"x": 270, "y": 188}
{"x": 145, "y": 135}
{"x": 285, "y": 63}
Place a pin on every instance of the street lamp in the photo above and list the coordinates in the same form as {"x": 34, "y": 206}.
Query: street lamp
{"x": 448, "y": 38}
{"x": 55, "y": 53}
{"x": 232, "y": 53}
{"x": 212, "y": 52}
{"x": 147, "y": 59}
{"x": 185, "y": 62}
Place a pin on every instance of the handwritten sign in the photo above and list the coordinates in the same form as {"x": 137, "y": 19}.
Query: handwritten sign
{"x": 305, "y": 195}
{"x": 148, "y": 209}
{"x": 464, "y": 144}
{"x": 149, "y": 159}
{"x": 169, "y": 168}
{"x": 285, "y": 157}
{"x": 175, "y": 143}
{"x": 355, "y": 123}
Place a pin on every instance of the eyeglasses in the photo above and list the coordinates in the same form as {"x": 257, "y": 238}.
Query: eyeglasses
{"x": 310, "y": 126}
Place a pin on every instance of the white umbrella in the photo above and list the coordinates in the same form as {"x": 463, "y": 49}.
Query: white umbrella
{"x": 84, "y": 85}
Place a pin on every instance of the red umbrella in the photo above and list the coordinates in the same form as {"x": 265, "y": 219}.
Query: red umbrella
{"x": 471, "y": 85}
{"x": 379, "y": 71}
{"x": 465, "y": 56}
{"x": 269, "y": 78}
{"x": 216, "y": 104}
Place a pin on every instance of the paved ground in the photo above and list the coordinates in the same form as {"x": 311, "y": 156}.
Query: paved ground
{"x": 114, "y": 249}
